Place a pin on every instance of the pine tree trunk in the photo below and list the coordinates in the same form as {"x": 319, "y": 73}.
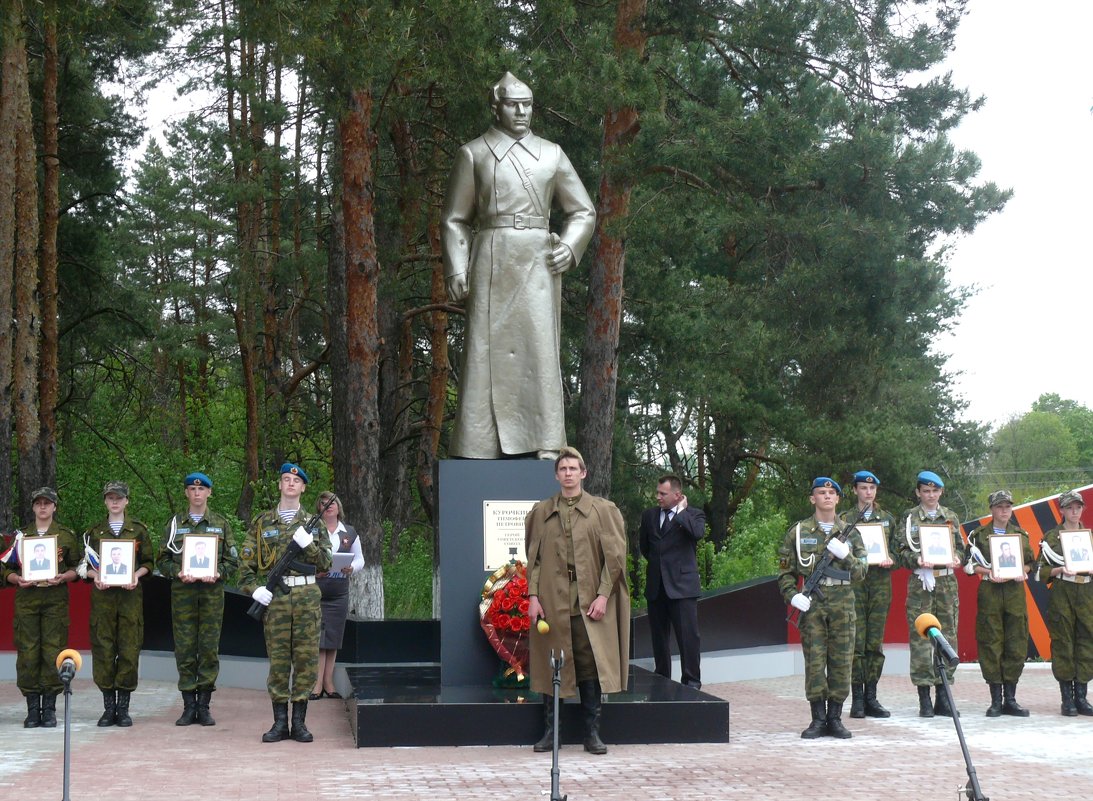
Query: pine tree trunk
{"x": 48, "y": 378}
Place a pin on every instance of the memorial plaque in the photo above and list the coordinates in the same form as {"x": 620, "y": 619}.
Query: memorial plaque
{"x": 503, "y": 532}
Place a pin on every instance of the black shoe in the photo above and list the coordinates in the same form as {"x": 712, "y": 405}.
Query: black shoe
{"x": 591, "y": 698}
{"x": 995, "y": 709}
{"x": 857, "y": 700}
{"x": 546, "y": 742}
{"x": 873, "y": 708}
{"x": 202, "y": 707}
{"x": 1067, "y": 708}
{"x": 121, "y": 713}
{"x": 925, "y": 705}
{"x": 1080, "y": 690}
{"x": 109, "y": 704}
{"x": 1009, "y": 702}
{"x": 299, "y": 728}
{"x": 941, "y": 705}
{"x": 49, "y": 711}
{"x": 34, "y": 711}
{"x": 818, "y": 727}
{"x": 835, "y": 727}
{"x": 189, "y": 709}
{"x": 279, "y": 730}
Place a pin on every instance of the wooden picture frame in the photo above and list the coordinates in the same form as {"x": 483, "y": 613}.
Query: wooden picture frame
{"x": 117, "y": 572}
{"x": 38, "y": 558}
{"x": 200, "y": 555}
{"x": 1007, "y": 556}
{"x": 936, "y": 546}
{"x": 1077, "y": 550}
{"x": 875, "y": 540}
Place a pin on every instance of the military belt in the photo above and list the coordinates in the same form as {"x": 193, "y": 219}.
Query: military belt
{"x": 519, "y": 221}
{"x": 943, "y": 571}
{"x": 1076, "y": 579}
{"x": 298, "y": 581}
{"x": 827, "y": 581}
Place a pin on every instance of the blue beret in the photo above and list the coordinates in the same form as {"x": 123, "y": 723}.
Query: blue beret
{"x": 930, "y": 479}
{"x": 198, "y": 479}
{"x": 824, "y": 481}
{"x": 296, "y": 470}
{"x": 865, "y": 477}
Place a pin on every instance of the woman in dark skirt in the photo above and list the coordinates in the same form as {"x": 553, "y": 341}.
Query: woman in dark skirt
{"x": 335, "y": 589}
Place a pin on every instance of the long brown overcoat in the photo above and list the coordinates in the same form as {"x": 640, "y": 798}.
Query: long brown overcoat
{"x": 599, "y": 539}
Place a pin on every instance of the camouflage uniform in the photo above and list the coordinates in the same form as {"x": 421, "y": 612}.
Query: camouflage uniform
{"x": 40, "y": 624}
{"x": 872, "y": 599}
{"x": 943, "y": 601}
{"x": 827, "y": 629}
{"x": 117, "y": 614}
{"x": 1001, "y": 618}
{"x": 1069, "y": 619}
{"x": 197, "y": 608}
{"x": 292, "y": 619}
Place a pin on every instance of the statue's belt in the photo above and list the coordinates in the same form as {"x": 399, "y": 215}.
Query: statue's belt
{"x": 518, "y": 221}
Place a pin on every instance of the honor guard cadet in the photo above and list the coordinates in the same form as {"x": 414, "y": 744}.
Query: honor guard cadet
{"x": 197, "y": 603}
{"x": 827, "y": 616}
{"x": 932, "y": 587}
{"x": 1001, "y": 618}
{"x": 872, "y": 598}
{"x": 117, "y": 610}
{"x": 292, "y": 618}
{"x": 1069, "y": 611}
{"x": 40, "y": 624}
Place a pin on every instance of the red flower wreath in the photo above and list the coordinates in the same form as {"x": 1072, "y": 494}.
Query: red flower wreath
{"x": 504, "y": 616}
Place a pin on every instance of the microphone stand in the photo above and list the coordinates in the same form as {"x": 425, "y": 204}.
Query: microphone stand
{"x": 66, "y": 676}
{"x": 972, "y": 790}
{"x": 556, "y": 680}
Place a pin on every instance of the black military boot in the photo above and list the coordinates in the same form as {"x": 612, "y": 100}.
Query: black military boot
{"x": 873, "y": 707}
{"x": 189, "y": 709}
{"x": 202, "y": 707}
{"x": 49, "y": 711}
{"x": 1083, "y": 706}
{"x": 925, "y": 705}
{"x": 109, "y": 704}
{"x": 279, "y": 730}
{"x": 34, "y": 711}
{"x": 941, "y": 704}
{"x": 546, "y": 742}
{"x": 299, "y": 729}
{"x": 818, "y": 727}
{"x": 591, "y": 697}
{"x": 835, "y": 727}
{"x": 121, "y": 713}
{"x": 1009, "y": 702}
{"x": 1068, "y": 708}
{"x": 857, "y": 700}
{"x": 995, "y": 709}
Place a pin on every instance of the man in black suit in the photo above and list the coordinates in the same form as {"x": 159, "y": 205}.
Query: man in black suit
{"x": 669, "y": 535}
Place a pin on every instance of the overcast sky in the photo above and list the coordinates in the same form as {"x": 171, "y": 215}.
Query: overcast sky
{"x": 1027, "y": 331}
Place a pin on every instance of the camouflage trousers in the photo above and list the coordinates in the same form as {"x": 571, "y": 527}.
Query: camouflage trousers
{"x": 40, "y": 627}
{"x": 117, "y": 635}
{"x": 1070, "y": 623}
{"x": 944, "y": 604}
{"x": 1001, "y": 631}
{"x": 872, "y": 598}
{"x": 197, "y": 614}
{"x": 292, "y": 627}
{"x": 827, "y": 642}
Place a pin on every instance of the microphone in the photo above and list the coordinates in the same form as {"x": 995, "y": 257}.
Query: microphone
{"x": 69, "y": 662}
{"x": 929, "y": 626}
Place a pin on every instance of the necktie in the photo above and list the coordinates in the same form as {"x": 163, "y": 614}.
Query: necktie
{"x": 665, "y": 521}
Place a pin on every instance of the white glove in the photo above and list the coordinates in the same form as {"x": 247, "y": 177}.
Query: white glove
{"x": 801, "y": 601}
{"x": 970, "y": 568}
{"x": 302, "y": 538}
{"x": 838, "y": 548}
{"x": 926, "y": 576}
{"x": 262, "y": 595}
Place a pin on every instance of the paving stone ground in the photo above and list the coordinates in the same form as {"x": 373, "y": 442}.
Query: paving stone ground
{"x": 1045, "y": 756}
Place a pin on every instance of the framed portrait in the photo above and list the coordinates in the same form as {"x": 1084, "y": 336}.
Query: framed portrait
{"x": 1007, "y": 559}
{"x": 116, "y": 558}
{"x": 1077, "y": 550}
{"x": 936, "y": 545}
{"x": 38, "y": 558}
{"x": 199, "y": 555}
{"x": 875, "y": 541}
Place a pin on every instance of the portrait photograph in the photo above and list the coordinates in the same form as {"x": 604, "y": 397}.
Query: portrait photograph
{"x": 199, "y": 555}
{"x": 116, "y": 560}
{"x": 1007, "y": 560}
{"x": 1077, "y": 551}
{"x": 937, "y": 546}
{"x": 875, "y": 541}
{"x": 39, "y": 558}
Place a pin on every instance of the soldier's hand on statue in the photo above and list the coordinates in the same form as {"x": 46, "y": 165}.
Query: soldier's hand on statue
{"x": 560, "y": 257}
{"x": 262, "y": 595}
{"x": 302, "y": 538}
{"x": 598, "y": 608}
{"x": 801, "y": 601}
{"x": 838, "y": 548}
{"x": 458, "y": 287}
{"x": 535, "y": 609}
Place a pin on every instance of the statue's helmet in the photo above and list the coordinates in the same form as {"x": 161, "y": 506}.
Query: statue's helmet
{"x": 509, "y": 88}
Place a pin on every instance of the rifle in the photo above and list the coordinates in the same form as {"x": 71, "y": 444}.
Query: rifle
{"x": 288, "y": 561}
{"x": 824, "y": 569}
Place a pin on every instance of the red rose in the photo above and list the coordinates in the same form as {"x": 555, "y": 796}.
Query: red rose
{"x": 501, "y": 620}
{"x": 523, "y": 606}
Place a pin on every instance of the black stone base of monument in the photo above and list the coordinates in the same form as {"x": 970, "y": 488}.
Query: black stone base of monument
{"x": 405, "y": 705}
